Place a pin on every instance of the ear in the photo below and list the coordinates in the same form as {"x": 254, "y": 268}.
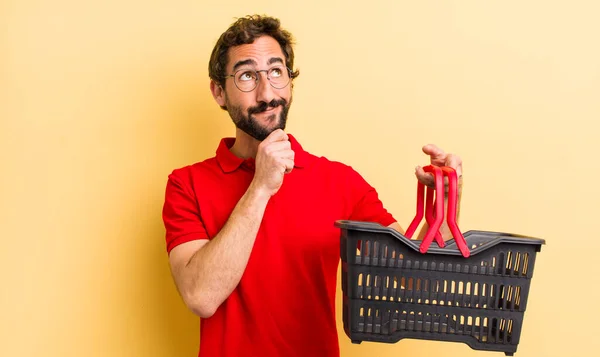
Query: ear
{"x": 218, "y": 93}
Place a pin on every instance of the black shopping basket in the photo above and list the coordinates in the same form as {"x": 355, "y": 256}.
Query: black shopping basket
{"x": 471, "y": 289}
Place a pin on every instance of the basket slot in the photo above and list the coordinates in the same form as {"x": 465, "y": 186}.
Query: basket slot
{"x": 501, "y": 264}
{"x": 510, "y": 263}
{"x": 480, "y": 293}
{"x": 385, "y": 324}
{"x": 377, "y": 322}
{"x": 493, "y": 331}
{"x": 369, "y": 321}
{"x": 360, "y": 320}
{"x": 518, "y": 263}
{"x": 525, "y": 270}
{"x": 401, "y": 290}
{"x": 373, "y": 253}
{"x": 433, "y": 295}
{"x": 494, "y": 296}
{"x": 385, "y": 288}
{"x": 473, "y": 286}
{"x": 483, "y": 330}
{"x": 517, "y": 298}
{"x": 383, "y": 254}
{"x": 486, "y": 290}
{"x": 394, "y": 323}
{"x": 392, "y": 262}
{"x": 362, "y": 255}
{"x": 504, "y": 292}
{"x": 502, "y": 331}
{"x": 507, "y": 329}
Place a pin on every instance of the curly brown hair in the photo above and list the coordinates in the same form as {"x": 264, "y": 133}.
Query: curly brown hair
{"x": 244, "y": 31}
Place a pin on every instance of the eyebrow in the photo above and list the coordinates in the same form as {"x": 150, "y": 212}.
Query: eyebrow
{"x": 241, "y": 63}
{"x": 238, "y": 64}
{"x": 275, "y": 60}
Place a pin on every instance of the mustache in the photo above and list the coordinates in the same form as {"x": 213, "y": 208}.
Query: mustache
{"x": 262, "y": 106}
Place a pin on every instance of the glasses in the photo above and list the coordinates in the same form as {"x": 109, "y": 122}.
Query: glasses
{"x": 246, "y": 80}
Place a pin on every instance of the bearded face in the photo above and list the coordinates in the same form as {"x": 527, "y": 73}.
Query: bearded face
{"x": 260, "y": 120}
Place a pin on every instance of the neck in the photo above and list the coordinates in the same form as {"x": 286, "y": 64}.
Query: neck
{"x": 245, "y": 146}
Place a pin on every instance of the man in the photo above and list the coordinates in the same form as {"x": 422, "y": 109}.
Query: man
{"x": 250, "y": 232}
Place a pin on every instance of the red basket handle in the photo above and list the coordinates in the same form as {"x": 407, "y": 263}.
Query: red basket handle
{"x": 453, "y": 211}
{"x": 434, "y": 218}
{"x": 430, "y": 215}
{"x": 434, "y": 221}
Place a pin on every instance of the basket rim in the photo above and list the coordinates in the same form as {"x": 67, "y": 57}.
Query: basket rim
{"x": 494, "y": 238}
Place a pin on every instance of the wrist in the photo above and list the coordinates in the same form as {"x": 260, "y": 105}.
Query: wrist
{"x": 258, "y": 192}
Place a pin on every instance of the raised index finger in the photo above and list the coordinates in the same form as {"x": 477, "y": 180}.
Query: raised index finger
{"x": 434, "y": 151}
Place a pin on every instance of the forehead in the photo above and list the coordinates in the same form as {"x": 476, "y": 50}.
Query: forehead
{"x": 261, "y": 51}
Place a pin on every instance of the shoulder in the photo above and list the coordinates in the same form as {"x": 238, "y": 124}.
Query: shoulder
{"x": 333, "y": 166}
{"x": 198, "y": 171}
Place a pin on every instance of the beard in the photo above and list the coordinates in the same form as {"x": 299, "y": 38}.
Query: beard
{"x": 247, "y": 123}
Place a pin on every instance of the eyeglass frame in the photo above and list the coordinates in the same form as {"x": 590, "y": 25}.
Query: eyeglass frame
{"x": 257, "y": 71}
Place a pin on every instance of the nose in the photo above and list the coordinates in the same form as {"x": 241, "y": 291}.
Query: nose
{"x": 264, "y": 91}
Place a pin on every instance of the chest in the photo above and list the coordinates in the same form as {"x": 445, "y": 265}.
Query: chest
{"x": 298, "y": 221}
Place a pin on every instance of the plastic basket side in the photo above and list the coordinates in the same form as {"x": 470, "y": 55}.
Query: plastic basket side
{"x": 392, "y": 292}
{"x": 378, "y": 267}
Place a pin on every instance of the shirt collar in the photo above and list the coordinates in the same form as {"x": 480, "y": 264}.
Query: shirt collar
{"x": 229, "y": 162}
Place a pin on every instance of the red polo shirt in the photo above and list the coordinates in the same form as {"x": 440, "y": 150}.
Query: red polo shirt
{"x": 284, "y": 304}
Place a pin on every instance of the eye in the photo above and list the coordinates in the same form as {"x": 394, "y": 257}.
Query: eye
{"x": 246, "y": 76}
{"x": 275, "y": 72}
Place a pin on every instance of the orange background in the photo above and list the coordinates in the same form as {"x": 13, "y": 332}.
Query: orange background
{"x": 99, "y": 101}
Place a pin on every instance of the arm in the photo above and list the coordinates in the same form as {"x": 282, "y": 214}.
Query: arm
{"x": 206, "y": 272}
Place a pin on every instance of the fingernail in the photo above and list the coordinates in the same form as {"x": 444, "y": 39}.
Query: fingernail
{"x": 417, "y": 168}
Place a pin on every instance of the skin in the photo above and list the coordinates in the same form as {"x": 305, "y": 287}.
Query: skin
{"x": 207, "y": 271}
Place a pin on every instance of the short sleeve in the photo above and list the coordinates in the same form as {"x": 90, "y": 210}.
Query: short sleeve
{"x": 181, "y": 215}
{"x": 367, "y": 206}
